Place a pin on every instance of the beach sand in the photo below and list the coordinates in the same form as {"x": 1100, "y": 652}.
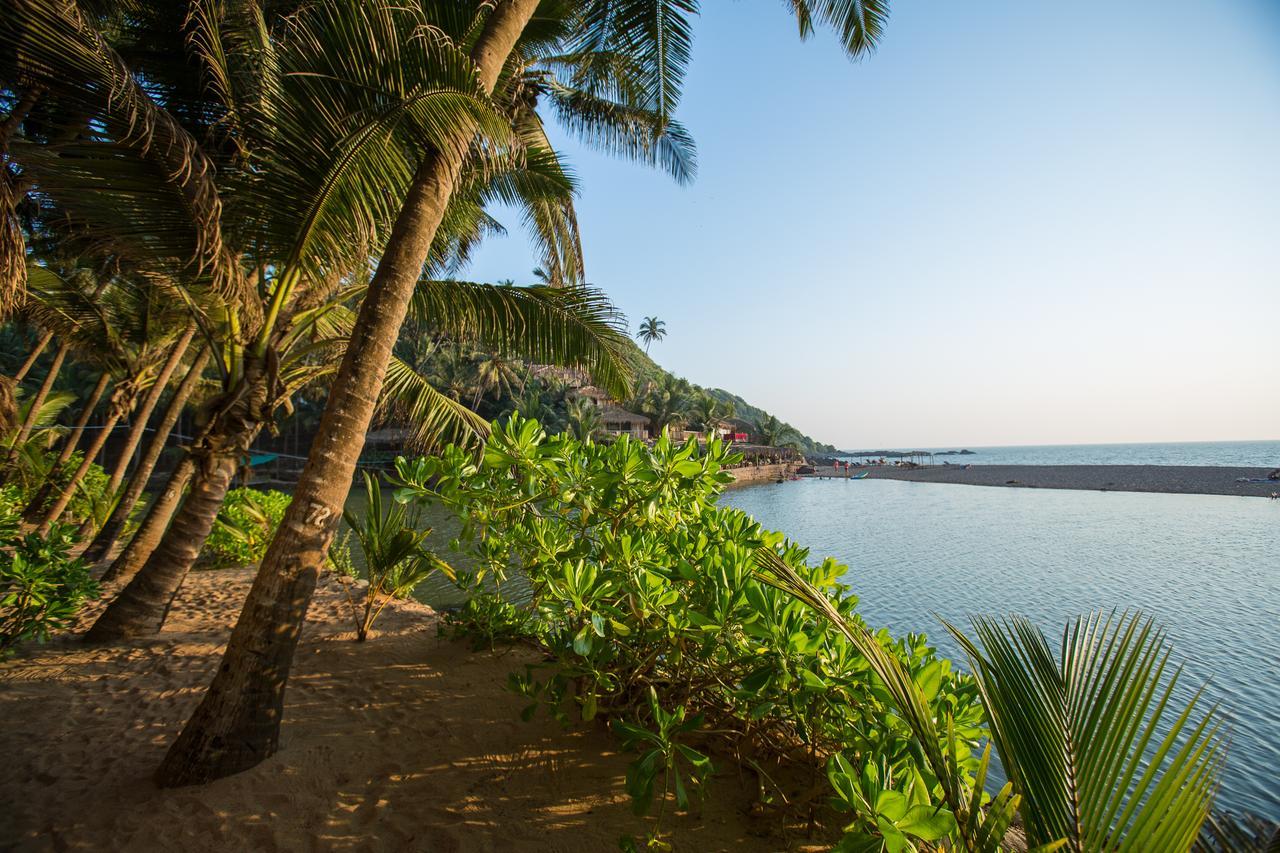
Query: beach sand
{"x": 406, "y": 742}
{"x": 1175, "y": 479}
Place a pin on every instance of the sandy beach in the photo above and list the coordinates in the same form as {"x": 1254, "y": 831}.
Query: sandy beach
{"x": 409, "y": 741}
{"x": 1173, "y": 479}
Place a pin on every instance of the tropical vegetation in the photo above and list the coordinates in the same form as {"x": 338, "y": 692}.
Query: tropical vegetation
{"x": 220, "y": 218}
{"x": 697, "y": 633}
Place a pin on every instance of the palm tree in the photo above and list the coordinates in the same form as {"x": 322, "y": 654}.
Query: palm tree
{"x": 250, "y": 685}
{"x": 707, "y": 413}
{"x": 494, "y": 373}
{"x": 667, "y": 401}
{"x": 1086, "y": 740}
{"x": 584, "y": 418}
{"x": 1094, "y": 761}
{"x": 237, "y": 722}
{"x": 772, "y": 432}
{"x": 651, "y": 329}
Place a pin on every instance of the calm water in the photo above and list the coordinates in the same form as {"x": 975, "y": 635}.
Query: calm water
{"x": 1208, "y": 567}
{"x": 1230, "y": 453}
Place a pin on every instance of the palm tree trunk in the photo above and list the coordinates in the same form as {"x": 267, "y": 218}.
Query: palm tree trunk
{"x": 41, "y": 343}
{"x": 149, "y": 403}
{"x": 143, "y": 605}
{"x": 72, "y": 441}
{"x": 237, "y": 723}
{"x": 149, "y": 534}
{"x": 110, "y": 532}
{"x": 37, "y": 401}
{"x": 118, "y": 408}
{"x": 73, "y": 437}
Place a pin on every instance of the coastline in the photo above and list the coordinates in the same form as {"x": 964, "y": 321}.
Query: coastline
{"x": 1161, "y": 479}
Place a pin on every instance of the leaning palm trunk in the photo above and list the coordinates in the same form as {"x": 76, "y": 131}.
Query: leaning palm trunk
{"x": 72, "y": 441}
{"x": 45, "y": 338}
{"x": 37, "y": 401}
{"x": 142, "y": 606}
{"x": 152, "y": 530}
{"x": 237, "y": 724}
{"x": 139, "y": 427}
{"x": 121, "y": 401}
{"x": 148, "y": 406}
{"x": 77, "y": 430}
{"x": 110, "y": 532}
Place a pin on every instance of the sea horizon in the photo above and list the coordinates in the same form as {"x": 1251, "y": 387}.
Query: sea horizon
{"x": 1245, "y": 453}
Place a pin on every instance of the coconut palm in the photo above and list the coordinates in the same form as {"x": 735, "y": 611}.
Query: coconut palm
{"x": 495, "y": 373}
{"x": 628, "y": 88}
{"x": 667, "y": 401}
{"x": 772, "y": 432}
{"x": 584, "y": 418}
{"x": 707, "y": 413}
{"x": 651, "y": 329}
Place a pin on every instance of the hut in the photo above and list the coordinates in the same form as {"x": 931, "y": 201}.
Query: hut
{"x": 618, "y": 421}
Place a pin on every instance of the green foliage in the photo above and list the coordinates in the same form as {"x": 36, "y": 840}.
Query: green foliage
{"x": 489, "y": 619}
{"x": 37, "y": 466}
{"x": 663, "y": 758}
{"x": 647, "y": 594}
{"x": 245, "y": 527}
{"x": 41, "y": 585}
{"x": 1102, "y": 757}
{"x": 396, "y": 560}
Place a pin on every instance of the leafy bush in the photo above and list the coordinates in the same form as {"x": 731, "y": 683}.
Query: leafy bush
{"x": 36, "y": 470}
{"x": 395, "y": 558}
{"x": 41, "y": 586}
{"x": 648, "y": 596}
{"x": 245, "y": 527}
{"x": 489, "y": 619}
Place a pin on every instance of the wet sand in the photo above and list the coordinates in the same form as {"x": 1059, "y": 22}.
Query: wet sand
{"x": 1172, "y": 479}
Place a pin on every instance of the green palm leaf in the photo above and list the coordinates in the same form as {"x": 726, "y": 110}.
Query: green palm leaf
{"x": 567, "y": 326}
{"x": 1093, "y": 741}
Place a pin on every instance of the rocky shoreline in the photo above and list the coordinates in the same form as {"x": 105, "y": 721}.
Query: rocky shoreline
{"x": 1170, "y": 479}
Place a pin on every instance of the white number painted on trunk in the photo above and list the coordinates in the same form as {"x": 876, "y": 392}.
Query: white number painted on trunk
{"x": 319, "y": 515}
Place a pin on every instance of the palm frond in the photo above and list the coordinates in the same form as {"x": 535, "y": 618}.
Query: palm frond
{"x": 634, "y": 132}
{"x": 569, "y": 326}
{"x": 51, "y": 43}
{"x": 858, "y": 24}
{"x": 431, "y": 418}
{"x": 1090, "y": 740}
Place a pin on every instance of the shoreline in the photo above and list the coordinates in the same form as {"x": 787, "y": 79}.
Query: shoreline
{"x": 1158, "y": 479}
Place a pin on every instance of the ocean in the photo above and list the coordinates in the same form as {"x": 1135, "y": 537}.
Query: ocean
{"x": 1226, "y": 453}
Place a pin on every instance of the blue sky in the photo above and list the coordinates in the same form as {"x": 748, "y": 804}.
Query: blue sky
{"x": 1016, "y": 223}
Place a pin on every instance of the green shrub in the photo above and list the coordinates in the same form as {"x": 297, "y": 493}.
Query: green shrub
{"x": 41, "y": 585}
{"x": 647, "y": 595}
{"x": 37, "y": 467}
{"x": 245, "y": 526}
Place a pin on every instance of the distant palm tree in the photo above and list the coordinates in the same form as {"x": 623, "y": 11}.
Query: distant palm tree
{"x": 772, "y": 432}
{"x": 652, "y": 329}
{"x": 584, "y": 418}
{"x": 494, "y": 372}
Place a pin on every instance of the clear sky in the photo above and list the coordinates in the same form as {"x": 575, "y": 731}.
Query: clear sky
{"x": 1016, "y": 223}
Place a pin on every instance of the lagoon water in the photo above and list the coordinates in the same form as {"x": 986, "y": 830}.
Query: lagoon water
{"x": 1207, "y": 567}
{"x": 1228, "y": 453}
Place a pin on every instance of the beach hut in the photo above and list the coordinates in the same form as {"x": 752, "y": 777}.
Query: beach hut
{"x": 618, "y": 421}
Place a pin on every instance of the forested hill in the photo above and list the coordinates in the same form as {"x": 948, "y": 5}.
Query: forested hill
{"x": 647, "y": 370}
